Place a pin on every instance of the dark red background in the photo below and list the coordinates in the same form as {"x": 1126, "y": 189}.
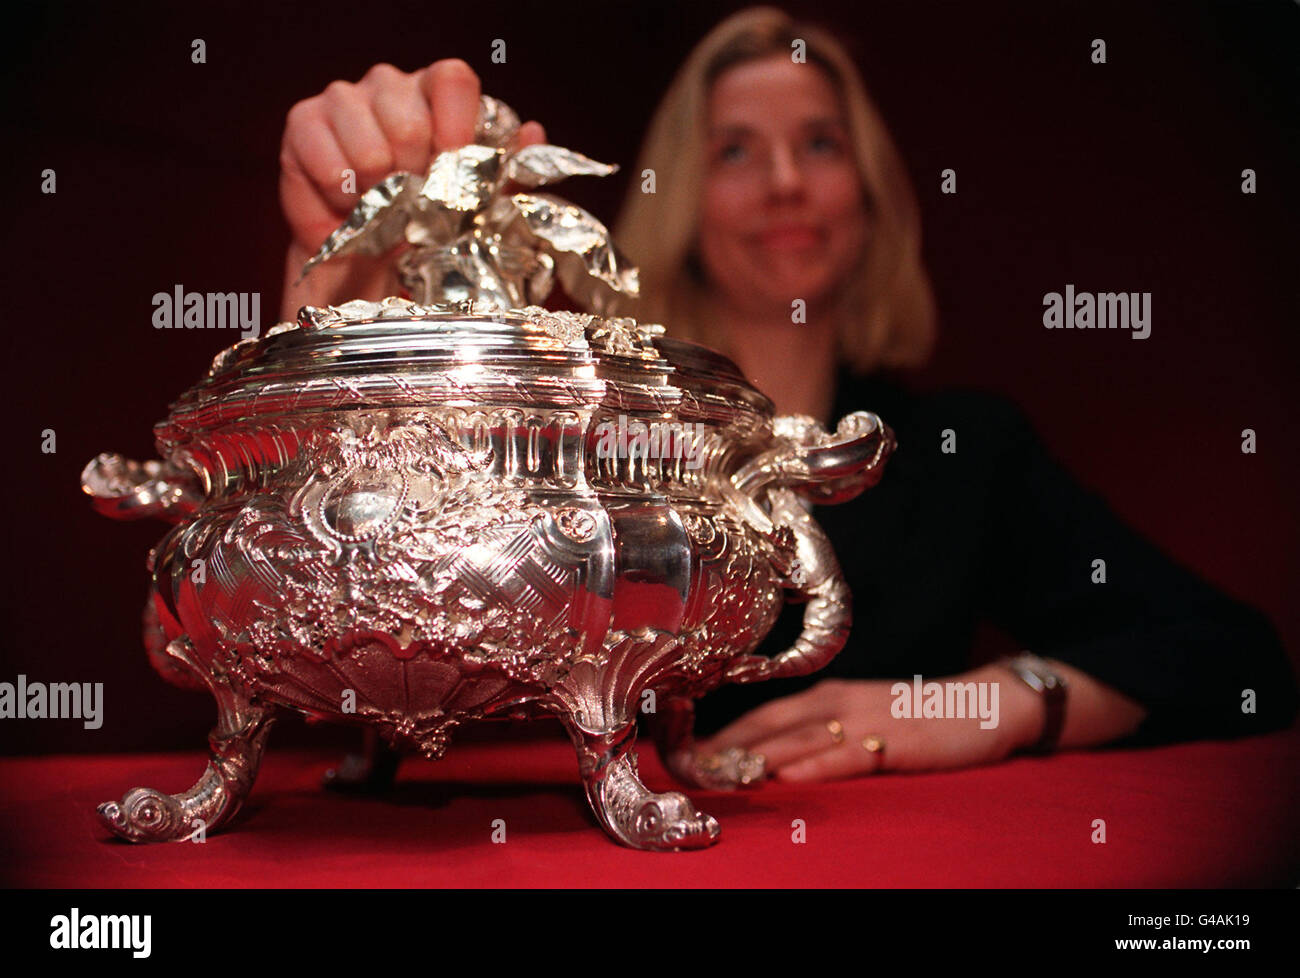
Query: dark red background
{"x": 1117, "y": 177}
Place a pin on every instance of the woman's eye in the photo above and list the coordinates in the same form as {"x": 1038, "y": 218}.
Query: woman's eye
{"x": 731, "y": 153}
{"x": 825, "y": 144}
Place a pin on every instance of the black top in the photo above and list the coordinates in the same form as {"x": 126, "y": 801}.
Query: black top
{"x": 998, "y": 530}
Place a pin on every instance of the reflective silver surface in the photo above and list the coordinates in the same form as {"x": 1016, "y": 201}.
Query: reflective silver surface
{"x": 470, "y": 239}
{"x": 400, "y": 515}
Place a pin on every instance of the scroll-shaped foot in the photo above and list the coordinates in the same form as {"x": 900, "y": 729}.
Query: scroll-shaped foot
{"x": 726, "y": 770}
{"x": 628, "y": 810}
{"x": 370, "y": 771}
{"x": 637, "y": 817}
{"x": 237, "y": 744}
{"x": 147, "y": 815}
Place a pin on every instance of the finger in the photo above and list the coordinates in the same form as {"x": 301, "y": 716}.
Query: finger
{"x": 765, "y": 721}
{"x": 359, "y": 135}
{"x": 795, "y": 744}
{"x": 309, "y": 216}
{"x": 846, "y": 760}
{"x": 311, "y": 177}
{"x": 403, "y": 114}
{"x": 452, "y": 91}
{"x": 531, "y": 133}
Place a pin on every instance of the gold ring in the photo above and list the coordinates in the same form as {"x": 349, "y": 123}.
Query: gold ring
{"x": 837, "y": 730}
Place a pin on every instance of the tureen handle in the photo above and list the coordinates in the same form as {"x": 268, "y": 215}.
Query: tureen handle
{"x": 817, "y": 577}
{"x": 128, "y": 490}
{"x": 824, "y": 468}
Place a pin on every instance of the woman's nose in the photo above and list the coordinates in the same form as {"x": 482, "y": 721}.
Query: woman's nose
{"x": 785, "y": 174}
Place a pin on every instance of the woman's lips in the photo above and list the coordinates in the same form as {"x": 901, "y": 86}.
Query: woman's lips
{"x": 789, "y": 236}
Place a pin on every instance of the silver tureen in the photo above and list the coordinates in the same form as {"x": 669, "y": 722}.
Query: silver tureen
{"x": 410, "y": 514}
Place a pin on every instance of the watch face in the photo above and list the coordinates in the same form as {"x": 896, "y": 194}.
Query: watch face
{"x": 1044, "y": 677}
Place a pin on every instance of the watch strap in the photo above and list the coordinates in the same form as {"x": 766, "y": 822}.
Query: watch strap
{"x": 1052, "y": 687}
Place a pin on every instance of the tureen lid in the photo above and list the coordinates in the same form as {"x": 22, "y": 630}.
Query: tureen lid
{"x": 395, "y": 353}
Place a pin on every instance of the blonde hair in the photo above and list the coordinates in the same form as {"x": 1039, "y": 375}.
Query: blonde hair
{"x": 886, "y": 312}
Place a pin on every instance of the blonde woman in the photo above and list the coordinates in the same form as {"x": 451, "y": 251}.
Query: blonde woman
{"x": 778, "y": 189}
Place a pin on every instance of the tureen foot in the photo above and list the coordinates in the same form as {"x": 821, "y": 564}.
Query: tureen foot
{"x": 673, "y": 727}
{"x": 626, "y": 808}
{"x": 371, "y": 770}
{"x": 237, "y": 743}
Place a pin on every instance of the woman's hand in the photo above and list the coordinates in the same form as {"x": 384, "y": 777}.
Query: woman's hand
{"x": 389, "y": 121}
{"x": 796, "y": 735}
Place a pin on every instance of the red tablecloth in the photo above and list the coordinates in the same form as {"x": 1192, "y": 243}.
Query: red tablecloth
{"x": 1211, "y": 814}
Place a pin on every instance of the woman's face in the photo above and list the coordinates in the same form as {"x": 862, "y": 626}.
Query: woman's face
{"x": 783, "y": 215}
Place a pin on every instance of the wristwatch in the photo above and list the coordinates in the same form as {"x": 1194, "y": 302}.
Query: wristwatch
{"x": 1052, "y": 686}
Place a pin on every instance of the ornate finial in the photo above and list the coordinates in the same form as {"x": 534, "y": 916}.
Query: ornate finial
{"x": 473, "y": 243}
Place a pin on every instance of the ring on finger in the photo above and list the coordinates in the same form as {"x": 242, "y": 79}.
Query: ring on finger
{"x": 875, "y": 744}
{"x": 836, "y": 730}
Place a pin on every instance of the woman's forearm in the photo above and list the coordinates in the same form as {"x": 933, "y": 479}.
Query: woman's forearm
{"x": 1094, "y": 712}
